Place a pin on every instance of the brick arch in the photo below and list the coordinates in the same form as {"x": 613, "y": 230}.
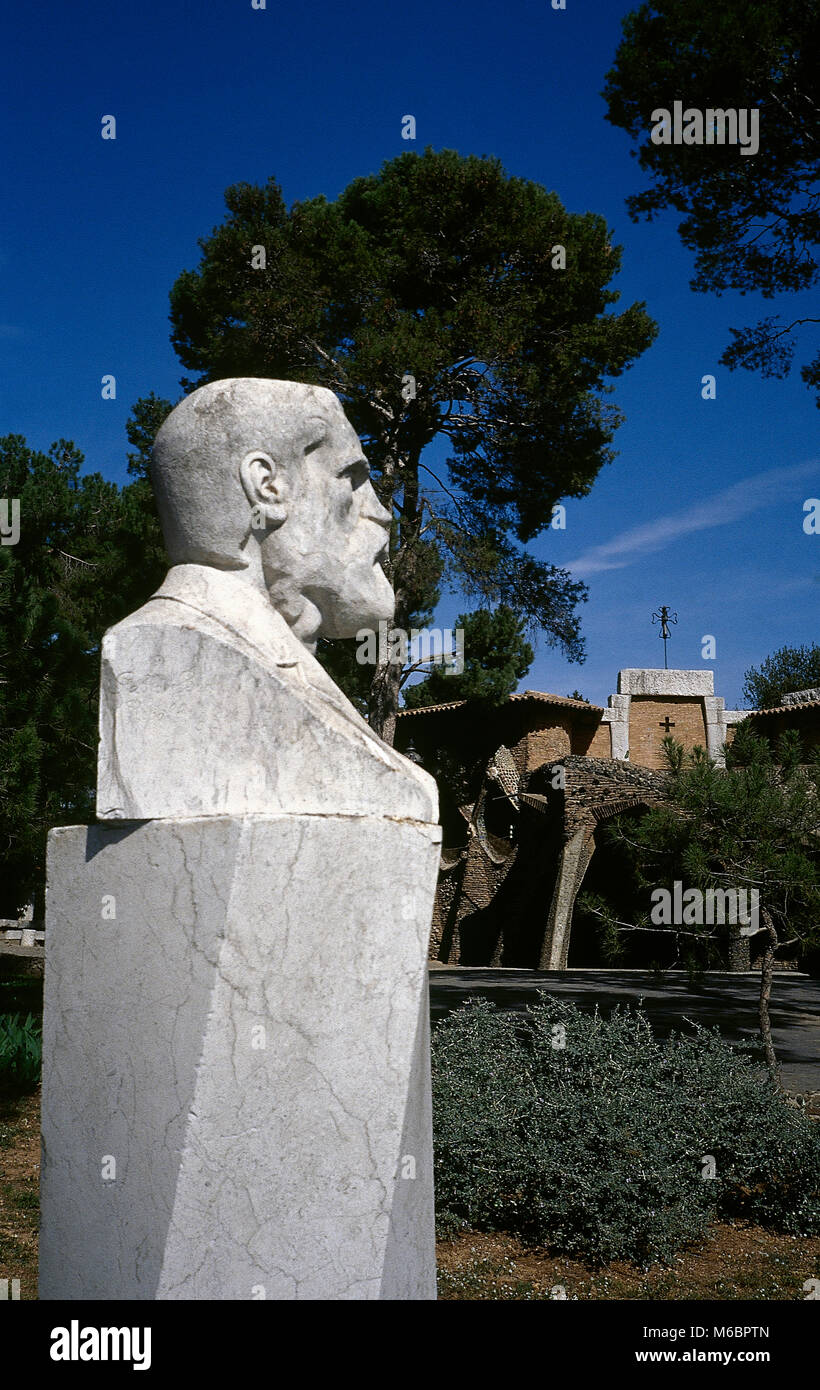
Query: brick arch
{"x": 606, "y": 810}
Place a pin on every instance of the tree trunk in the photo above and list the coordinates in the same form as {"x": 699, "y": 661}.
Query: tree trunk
{"x": 766, "y": 975}
{"x": 383, "y": 701}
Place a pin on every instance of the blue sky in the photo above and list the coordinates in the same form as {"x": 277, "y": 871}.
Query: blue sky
{"x": 702, "y": 508}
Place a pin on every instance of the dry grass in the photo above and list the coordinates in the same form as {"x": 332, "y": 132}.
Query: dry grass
{"x": 19, "y": 1189}
{"x": 733, "y": 1262}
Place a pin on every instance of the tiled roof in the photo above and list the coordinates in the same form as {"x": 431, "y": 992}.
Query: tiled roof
{"x": 556, "y": 700}
{"x": 432, "y": 709}
{"x": 542, "y": 695}
{"x": 786, "y": 709}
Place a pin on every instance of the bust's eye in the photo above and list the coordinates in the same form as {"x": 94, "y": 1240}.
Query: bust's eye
{"x": 358, "y": 472}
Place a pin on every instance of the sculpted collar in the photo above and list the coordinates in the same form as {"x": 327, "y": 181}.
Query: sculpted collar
{"x": 226, "y": 597}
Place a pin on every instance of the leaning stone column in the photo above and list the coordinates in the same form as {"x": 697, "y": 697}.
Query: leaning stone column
{"x": 573, "y": 864}
{"x": 236, "y": 1094}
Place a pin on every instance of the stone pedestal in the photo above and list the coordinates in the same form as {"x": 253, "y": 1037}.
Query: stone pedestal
{"x": 738, "y": 951}
{"x": 236, "y": 1098}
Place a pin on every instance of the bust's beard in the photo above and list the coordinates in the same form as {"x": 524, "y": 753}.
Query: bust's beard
{"x": 366, "y": 600}
{"x": 357, "y": 596}
{"x": 301, "y": 615}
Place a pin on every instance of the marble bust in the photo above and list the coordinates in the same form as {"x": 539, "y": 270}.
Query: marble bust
{"x": 212, "y": 700}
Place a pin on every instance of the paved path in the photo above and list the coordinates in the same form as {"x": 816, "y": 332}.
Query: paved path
{"x": 730, "y": 1001}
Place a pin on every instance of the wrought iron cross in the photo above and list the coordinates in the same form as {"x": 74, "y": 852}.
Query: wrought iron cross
{"x": 667, "y": 723}
{"x": 664, "y": 617}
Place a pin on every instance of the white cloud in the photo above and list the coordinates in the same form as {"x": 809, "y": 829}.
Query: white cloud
{"x": 739, "y": 500}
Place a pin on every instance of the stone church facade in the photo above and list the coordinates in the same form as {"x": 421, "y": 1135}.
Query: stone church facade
{"x": 650, "y": 704}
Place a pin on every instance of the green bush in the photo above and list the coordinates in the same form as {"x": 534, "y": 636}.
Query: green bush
{"x": 21, "y": 1052}
{"x": 590, "y": 1136}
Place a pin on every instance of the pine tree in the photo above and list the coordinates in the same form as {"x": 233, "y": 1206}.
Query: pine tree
{"x": 88, "y": 553}
{"x": 441, "y": 300}
{"x": 752, "y": 826}
{"x": 496, "y": 657}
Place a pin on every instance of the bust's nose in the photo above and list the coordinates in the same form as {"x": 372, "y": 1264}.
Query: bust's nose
{"x": 372, "y": 509}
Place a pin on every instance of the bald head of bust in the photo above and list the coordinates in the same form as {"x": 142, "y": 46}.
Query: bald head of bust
{"x": 268, "y": 478}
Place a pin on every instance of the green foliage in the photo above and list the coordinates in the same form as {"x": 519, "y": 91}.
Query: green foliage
{"x": 89, "y": 553}
{"x": 753, "y": 222}
{"x": 789, "y": 668}
{"x": 789, "y": 752}
{"x": 753, "y": 825}
{"x": 597, "y": 1148}
{"x": 748, "y": 748}
{"x": 21, "y": 1052}
{"x": 608, "y": 925}
{"x": 438, "y": 268}
{"x": 147, "y": 414}
{"x": 673, "y": 753}
{"x": 496, "y": 657}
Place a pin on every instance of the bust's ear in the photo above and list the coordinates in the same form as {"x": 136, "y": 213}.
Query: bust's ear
{"x": 264, "y": 484}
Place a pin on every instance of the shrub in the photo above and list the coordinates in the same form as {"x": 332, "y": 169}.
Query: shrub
{"x": 21, "y": 1052}
{"x": 592, "y": 1137}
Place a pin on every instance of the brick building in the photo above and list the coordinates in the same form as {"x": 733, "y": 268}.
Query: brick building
{"x": 800, "y": 710}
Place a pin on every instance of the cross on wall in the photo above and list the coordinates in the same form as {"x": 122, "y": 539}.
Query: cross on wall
{"x": 667, "y": 724}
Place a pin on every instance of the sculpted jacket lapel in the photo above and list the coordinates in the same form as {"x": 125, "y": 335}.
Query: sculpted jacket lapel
{"x": 225, "y": 597}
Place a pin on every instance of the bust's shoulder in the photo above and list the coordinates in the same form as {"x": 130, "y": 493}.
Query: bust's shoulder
{"x": 161, "y": 623}
{"x": 216, "y": 605}
{"x": 156, "y": 612}
{"x": 198, "y": 717}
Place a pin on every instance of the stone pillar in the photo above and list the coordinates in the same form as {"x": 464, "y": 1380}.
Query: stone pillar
{"x": 715, "y": 713}
{"x": 237, "y": 1101}
{"x": 618, "y": 719}
{"x": 574, "y": 862}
